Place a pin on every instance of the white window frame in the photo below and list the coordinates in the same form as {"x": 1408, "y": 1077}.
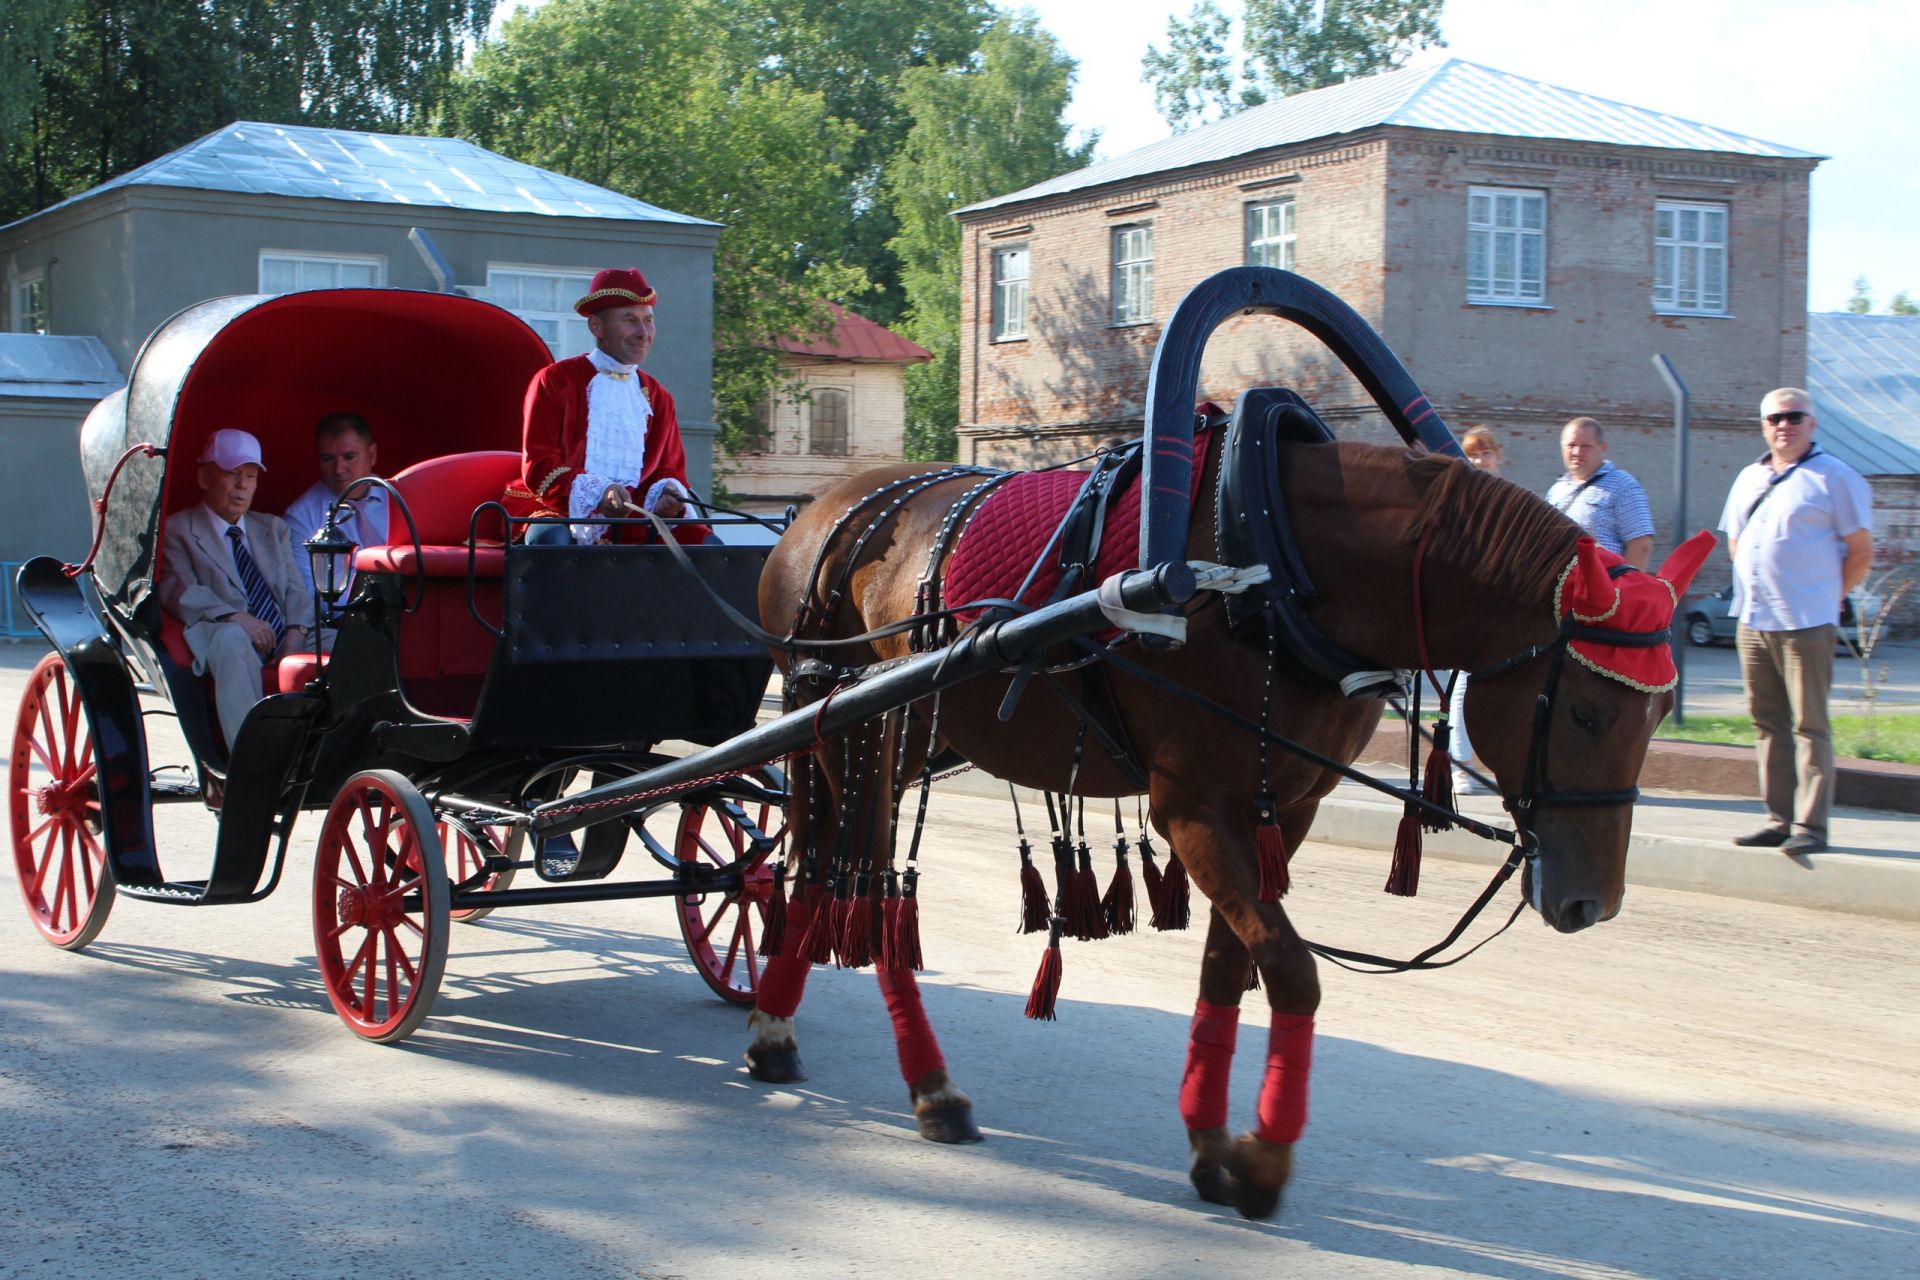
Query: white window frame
{"x": 29, "y": 310}
{"x": 815, "y": 398}
{"x": 559, "y": 326}
{"x": 303, "y": 260}
{"x": 1010, "y": 292}
{"x": 1271, "y": 233}
{"x": 1511, "y": 254}
{"x": 1133, "y": 273}
{"x": 1688, "y": 257}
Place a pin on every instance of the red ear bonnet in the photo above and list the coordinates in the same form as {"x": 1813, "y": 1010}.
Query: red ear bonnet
{"x": 1631, "y": 603}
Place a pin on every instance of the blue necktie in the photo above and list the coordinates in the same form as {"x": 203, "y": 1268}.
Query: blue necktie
{"x": 259, "y": 596}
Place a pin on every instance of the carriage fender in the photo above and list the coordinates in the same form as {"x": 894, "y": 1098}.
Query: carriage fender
{"x": 59, "y": 607}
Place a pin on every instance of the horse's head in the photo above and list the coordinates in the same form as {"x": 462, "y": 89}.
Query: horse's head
{"x": 1566, "y": 728}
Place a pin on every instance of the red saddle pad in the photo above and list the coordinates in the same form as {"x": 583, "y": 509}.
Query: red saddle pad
{"x": 1005, "y": 534}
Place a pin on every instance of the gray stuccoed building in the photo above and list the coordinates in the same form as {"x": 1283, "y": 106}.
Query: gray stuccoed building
{"x": 262, "y": 208}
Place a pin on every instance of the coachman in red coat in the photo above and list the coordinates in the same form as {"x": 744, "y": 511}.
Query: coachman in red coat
{"x": 601, "y": 437}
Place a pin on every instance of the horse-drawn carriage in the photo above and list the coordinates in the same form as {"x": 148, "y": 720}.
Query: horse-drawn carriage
{"x": 468, "y": 678}
{"x": 473, "y": 677}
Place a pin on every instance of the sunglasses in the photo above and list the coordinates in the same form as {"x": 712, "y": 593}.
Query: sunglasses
{"x": 1793, "y": 417}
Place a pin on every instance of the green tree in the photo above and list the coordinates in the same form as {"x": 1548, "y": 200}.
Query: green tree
{"x": 1861, "y": 302}
{"x": 1902, "y": 305}
{"x": 665, "y": 102}
{"x": 1287, "y": 47}
{"x": 117, "y": 83}
{"x": 992, "y": 124}
{"x": 1193, "y": 77}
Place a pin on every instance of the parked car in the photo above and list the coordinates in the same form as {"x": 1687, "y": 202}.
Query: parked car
{"x": 1709, "y": 622}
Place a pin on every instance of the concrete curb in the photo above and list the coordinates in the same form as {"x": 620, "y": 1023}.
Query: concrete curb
{"x": 1875, "y": 884}
{"x": 1883, "y": 883}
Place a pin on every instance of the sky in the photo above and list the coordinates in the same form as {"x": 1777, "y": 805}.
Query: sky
{"x": 1836, "y": 77}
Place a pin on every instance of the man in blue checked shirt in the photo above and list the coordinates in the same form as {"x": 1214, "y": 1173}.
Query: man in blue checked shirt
{"x": 1601, "y": 498}
{"x": 228, "y": 573}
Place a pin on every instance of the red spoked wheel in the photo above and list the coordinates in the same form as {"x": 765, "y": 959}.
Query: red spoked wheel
{"x": 469, "y": 847}
{"x": 380, "y": 906}
{"x": 54, "y": 801}
{"x": 722, "y": 931}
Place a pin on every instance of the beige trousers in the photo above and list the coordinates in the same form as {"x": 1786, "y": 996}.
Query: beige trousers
{"x": 1787, "y": 675}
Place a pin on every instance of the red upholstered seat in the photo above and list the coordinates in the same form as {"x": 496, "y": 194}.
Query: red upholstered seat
{"x": 437, "y": 561}
{"x": 290, "y": 674}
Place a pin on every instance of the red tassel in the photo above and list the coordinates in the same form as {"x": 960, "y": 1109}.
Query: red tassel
{"x": 1177, "y": 910}
{"x": 1404, "y": 879}
{"x": 1034, "y": 908}
{"x": 1438, "y": 788}
{"x": 903, "y": 944}
{"x": 1117, "y": 904}
{"x": 817, "y": 946}
{"x": 856, "y": 941}
{"x": 1156, "y": 883}
{"x": 837, "y": 929}
{"x": 1085, "y": 919}
{"x": 1046, "y": 984}
{"x": 774, "y": 931}
{"x": 1274, "y": 881}
{"x": 1271, "y": 848}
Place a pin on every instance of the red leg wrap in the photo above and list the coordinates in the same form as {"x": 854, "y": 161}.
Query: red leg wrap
{"x": 1203, "y": 1090}
{"x": 912, "y": 1033}
{"x": 784, "y": 980}
{"x": 1283, "y": 1093}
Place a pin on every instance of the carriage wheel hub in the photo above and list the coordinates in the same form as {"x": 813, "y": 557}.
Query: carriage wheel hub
{"x": 353, "y": 906}
{"x": 60, "y": 797}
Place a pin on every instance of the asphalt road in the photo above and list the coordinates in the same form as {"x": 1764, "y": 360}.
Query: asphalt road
{"x": 1701, "y": 1088}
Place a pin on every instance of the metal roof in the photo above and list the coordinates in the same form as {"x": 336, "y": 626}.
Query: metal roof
{"x": 56, "y": 367}
{"x": 1455, "y": 96}
{"x": 857, "y": 339}
{"x": 1864, "y": 375}
{"x": 377, "y": 168}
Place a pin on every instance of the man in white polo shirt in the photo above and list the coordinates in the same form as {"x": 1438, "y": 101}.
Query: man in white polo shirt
{"x": 1799, "y": 524}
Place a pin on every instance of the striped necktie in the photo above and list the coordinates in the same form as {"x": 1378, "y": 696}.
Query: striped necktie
{"x": 259, "y": 596}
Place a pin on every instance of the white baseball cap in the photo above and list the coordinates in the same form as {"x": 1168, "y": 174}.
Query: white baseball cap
{"x": 231, "y": 448}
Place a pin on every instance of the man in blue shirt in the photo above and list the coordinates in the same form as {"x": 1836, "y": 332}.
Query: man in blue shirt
{"x": 344, "y": 444}
{"x": 1799, "y": 525}
{"x": 1601, "y": 498}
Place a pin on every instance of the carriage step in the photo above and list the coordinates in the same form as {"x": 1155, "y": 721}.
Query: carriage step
{"x": 181, "y": 891}
{"x": 175, "y": 788}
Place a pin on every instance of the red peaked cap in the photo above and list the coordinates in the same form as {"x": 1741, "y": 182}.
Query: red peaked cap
{"x": 615, "y": 287}
{"x": 1630, "y": 602}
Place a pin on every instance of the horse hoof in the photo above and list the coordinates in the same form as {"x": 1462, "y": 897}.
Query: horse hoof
{"x": 775, "y": 1066}
{"x": 1212, "y": 1182}
{"x": 1258, "y": 1172}
{"x": 952, "y": 1123}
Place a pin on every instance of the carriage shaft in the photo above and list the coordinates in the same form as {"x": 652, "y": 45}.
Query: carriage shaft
{"x": 999, "y": 646}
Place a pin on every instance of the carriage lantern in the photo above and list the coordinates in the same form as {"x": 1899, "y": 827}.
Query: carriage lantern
{"x": 330, "y": 552}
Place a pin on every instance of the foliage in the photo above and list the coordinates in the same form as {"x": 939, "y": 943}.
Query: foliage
{"x": 1868, "y": 628}
{"x": 1287, "y": 47}
{"x": 1902, "y": 305}
{"x": 980, "y": 128}
{"x": 662, "y": 102}
{"x": 1894, "y": 736}
{"x": 116, "y": 83}
{"x": 1861, "y": 302}
{"x": 1193, "y": 77}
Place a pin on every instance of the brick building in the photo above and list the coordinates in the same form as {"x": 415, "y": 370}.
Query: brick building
{"x": 1523, "y": 248}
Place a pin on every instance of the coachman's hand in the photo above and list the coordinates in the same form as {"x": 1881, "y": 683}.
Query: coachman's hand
{"x": 668, "y": 505}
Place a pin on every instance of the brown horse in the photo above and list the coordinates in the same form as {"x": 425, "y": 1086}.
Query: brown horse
{"x": 1497, "y": 563}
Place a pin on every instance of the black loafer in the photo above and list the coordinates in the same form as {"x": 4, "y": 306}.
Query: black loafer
{"x": 1803, "y": 843}
{"x": 1765, "y": 838}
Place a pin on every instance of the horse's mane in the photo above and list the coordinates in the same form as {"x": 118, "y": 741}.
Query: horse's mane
{"x": 1502, "y": 535}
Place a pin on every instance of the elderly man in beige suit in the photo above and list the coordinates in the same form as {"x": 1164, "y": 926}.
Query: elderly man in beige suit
{"x": 228, "y": 573}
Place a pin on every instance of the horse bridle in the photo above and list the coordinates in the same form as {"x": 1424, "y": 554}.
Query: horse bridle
{"x": 1536, "y": 787}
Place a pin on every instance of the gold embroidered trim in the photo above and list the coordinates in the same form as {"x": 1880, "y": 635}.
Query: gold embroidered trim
{"x": 552, "y": 476}
{"x": 1560, "y": 585}
{"x": 1595, "y": 667}
{"x": 628, "y": 294}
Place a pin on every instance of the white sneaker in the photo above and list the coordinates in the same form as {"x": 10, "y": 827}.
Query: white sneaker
{"x": 1465, "y": 785}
